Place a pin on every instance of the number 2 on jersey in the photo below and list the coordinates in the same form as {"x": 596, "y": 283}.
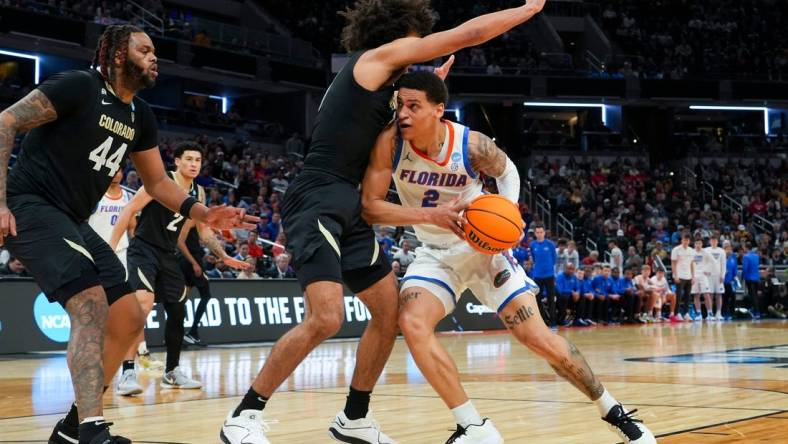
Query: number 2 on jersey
{"x": 430, "y": 198}
{"x": 173, "y": 226}
{"x": 99, "y": 156}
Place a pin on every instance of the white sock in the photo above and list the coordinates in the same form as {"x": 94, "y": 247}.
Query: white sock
{"x": 605, "y": 403}
{"x": 143, "y": 348}
{"x": 466, "y": 414}
{"x": 93, "y": 419}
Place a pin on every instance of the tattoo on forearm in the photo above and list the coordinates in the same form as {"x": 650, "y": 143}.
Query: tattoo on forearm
{"x": 33, "y": 110}
{"x": 521, "y": 315}
{"x": 213, "y": 244}
{"x": 408, "y": 296}
{"x": 486, "y": 157}
{"x": 85, "y": 349}
{"x": 575, "y": 369}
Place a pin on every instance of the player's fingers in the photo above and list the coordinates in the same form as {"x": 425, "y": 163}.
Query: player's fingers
{"x": 247, "y": 226}
{"x": 251, "y": 218}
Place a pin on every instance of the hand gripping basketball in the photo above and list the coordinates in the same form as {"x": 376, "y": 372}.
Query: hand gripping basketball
{"x": 449, "y": 216}
{"x": 493, "y": 224}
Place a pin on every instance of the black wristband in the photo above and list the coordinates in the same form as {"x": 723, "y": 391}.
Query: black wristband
{"x": 187, "y": 205}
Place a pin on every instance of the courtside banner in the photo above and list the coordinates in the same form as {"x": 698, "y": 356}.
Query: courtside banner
{"x": 240, "y": 311}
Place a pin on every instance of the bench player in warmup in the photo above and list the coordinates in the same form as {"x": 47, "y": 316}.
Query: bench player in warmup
{"x": 154, "y": 272}
{"x": 321, "y": 211}
{"x": 82, "y": 127}
{"x": 436, "y": 166}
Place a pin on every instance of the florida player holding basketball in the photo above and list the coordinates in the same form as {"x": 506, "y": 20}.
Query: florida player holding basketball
{"x": 434, "y": 162}
{"x": 83, "y": 125}
{"x": 321, "y": 210}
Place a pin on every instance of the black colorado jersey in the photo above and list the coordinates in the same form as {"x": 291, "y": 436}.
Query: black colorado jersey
{"x": 71, "y": 160}
{"x": 160, "y": 226}
{"x": 347, "y": 125}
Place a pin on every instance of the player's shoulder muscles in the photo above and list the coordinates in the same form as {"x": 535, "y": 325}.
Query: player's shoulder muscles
{"x": 484, "y": 154}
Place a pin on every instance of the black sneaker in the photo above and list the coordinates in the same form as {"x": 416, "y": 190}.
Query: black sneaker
{"x": 627, "y": 427}
{"x": 105, "y": 438}
{"x": 193, "y": 340}
{"x": 64, "y": 434}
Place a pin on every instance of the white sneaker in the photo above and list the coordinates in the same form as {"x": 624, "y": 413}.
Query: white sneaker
{"x": 484, "y": 433}
{"x": 246, "y": 428}
{"x": 176, "y": 379}
{"x": 357, "y": 431}
{"x": 128, "y": 385}
{"x": 680, "y": 317}
{"x": 627, "y": 427}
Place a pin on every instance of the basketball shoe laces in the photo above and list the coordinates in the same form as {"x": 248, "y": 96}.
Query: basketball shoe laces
{"x": 625, "y": 421}
{"x": 459, "y": 433}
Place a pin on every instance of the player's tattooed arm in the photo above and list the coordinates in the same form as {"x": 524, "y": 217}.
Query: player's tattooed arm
{"x": 485, "y": 156}
{"x": 31, "y": 111}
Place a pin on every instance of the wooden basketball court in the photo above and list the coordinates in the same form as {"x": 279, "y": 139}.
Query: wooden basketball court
{"x": 691, "y": 383}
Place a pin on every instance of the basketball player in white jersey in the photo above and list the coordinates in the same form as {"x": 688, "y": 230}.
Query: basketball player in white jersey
{"x": 662, "y": 294}
{"x": 717, "y": 275}
{"x": 702, "y": 265}
{"x": 436, "y": 166}
{"x": 103, "y": 221}
{"x": 105, "y": 216}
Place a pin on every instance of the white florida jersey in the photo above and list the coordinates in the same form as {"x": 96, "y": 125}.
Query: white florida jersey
{"x": 718, "y": 254}
{"x": 424, "y": 182}
{"x": 704, "y": 262}
{"x": 105, "y": 216}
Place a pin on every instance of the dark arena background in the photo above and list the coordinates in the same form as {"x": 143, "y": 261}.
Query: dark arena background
{"x": 631, "y": 123}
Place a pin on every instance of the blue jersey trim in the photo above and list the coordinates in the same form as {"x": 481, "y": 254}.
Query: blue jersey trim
{"x": 437, "y": 282}
{"x": 398, "y": 151}
{"x": 466, "y": 160}
{"x": 514, "y": 294}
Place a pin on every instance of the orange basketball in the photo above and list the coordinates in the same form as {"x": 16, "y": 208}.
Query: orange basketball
{"x": 493, "y": 224}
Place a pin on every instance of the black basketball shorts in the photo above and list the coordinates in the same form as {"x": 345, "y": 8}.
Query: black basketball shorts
{"x": 327, "y": 236}
{"x": 155, "y": 270}
{"x": 65, "y": 257}
{"x": 191, "y": 280}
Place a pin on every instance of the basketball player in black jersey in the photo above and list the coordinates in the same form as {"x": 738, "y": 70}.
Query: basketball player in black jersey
{"x": 321, "y": 210}
{"x": 83, "y": 125}
{"x": 154, "y": 272}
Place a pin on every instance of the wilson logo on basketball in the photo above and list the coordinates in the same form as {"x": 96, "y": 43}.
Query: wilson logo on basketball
{"x": 482, "y": 245}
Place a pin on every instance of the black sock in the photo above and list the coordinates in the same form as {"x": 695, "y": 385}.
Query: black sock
{"x": 251, "y": 401}
{"x": 72, "y": 418}
{"x": 128, "y": 365}
{"x": 173, "y": 333}
{"x": 89, "y": 430}
{"x": 357, "y": 404}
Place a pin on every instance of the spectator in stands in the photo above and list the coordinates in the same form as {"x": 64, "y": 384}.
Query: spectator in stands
{"x": 255, "y": 250}
{"x": 281, "y": 268}
{"x": 562, "y": 256}
{"x": 751, "y": 275}
{"x": 616, "y": 255}
{"x": 396, "y": 268}
{"x": 405, "y": 256}
{"x": 295, "y": 146}
{"x": 572, "y": 255}
{"x": 634, "y": 261}
{"x": 249, "y": 274}
{"x": 13, "y": 267}
{"x": 543, "y": 257}
{"x": 280, "y": 247}
{"x": 592, "y": 258}
{"x": 133, "y": 180}
{"x": 242, "y": 249}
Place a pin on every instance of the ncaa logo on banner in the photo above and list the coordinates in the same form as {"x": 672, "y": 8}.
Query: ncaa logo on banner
{"x": 51, "y": 319}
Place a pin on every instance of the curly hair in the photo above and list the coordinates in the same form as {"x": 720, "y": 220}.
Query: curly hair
{"x": 373, "y": 23}
{"x": 114, "y": 39}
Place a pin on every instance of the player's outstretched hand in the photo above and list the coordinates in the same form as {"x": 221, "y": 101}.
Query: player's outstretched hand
{"x": 224, "y": 217}
{"x": 7, "y": 223}
{"x": 443, "y": 70}
{"x": 450, "y": 216}
{"x": 235, "y": 263}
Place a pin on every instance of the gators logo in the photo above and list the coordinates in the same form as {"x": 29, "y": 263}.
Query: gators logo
{"x": 501, "y": 278}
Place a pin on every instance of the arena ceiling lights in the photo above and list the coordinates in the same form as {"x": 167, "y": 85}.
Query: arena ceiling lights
{"x": 738, "y": 108}
{"x": 36, "y": 59}
{"x": 601, "y": 106}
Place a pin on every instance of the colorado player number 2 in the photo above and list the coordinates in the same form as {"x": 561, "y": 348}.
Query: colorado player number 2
{"x": 99, "y": 156}
{"x": 430, "y": 198}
